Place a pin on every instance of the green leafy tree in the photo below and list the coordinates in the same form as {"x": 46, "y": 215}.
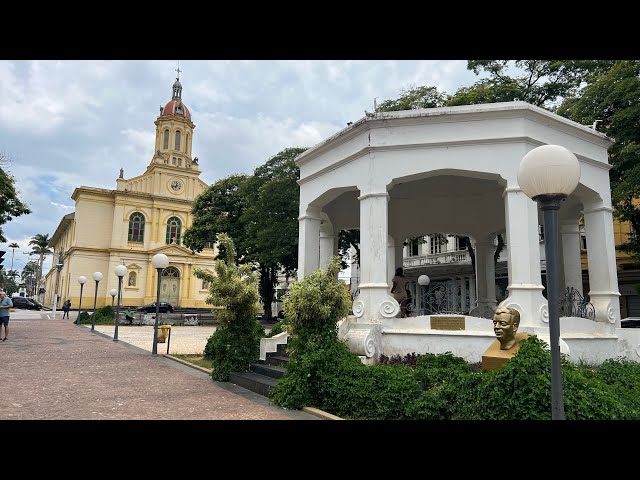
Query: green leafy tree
{"x": 10, "y": 205}
{"x": 614, "y": 99}
{"x": 218, "y": 209}
{"x": 544, "y": 83}
{"x": 236, "y": 342}
{"x": 412, "y": 98}
{"x": 271, "y": 220}
{"x": 29, "y": 275}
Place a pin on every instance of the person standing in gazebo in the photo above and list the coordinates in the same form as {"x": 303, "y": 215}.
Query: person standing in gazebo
{"x": 399, "y": 291}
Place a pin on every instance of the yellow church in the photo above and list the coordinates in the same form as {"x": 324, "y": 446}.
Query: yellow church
{"x": 143, "y": 216}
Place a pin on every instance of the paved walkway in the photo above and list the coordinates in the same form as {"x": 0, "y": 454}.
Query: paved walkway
{"x": 52, "y": 369}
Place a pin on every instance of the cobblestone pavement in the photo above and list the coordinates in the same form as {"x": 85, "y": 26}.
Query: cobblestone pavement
{"x": 184, "y": 340}
{"x": 52, "y": 369}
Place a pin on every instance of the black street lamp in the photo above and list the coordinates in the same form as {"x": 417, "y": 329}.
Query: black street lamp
{"x": 113, "y": 292}
{"x": 159, "y": 261}
{"x": 59, "y": 266}
{"x": 97, "y": 276}
{"x": 548, "y": 174}
{"x": 81, "y": 280}
{"x": 120, "y": 271}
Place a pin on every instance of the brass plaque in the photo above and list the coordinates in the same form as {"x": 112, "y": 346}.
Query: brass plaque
{"x": 447, "y": 323}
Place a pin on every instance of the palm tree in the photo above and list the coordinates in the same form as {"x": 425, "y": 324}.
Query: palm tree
{"x": 29, "y": 273}
{"x": 13, "y": 247}
{"x": 40, "y": 243}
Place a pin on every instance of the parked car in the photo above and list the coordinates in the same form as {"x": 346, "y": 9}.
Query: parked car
{"x": 25, "y": 303}
{"x": 151, "y": 308}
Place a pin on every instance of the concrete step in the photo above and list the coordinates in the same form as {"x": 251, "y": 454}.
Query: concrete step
{"x": 278, "y": 360}
{"x": 273, "y": 371}
{"x": 255, "y": 382}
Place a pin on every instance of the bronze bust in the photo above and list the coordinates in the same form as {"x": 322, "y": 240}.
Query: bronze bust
{"x": 505, "y": 325}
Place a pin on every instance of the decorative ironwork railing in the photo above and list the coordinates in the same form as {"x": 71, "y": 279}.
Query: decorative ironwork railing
{"x": 575, "y": 305}
{"x": 439, "y": 299}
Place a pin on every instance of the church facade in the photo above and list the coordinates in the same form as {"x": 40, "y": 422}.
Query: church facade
{"x": 143, "y": 216}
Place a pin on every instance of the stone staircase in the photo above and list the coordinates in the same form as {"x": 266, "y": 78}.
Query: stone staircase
{"x": 265, "y": 373}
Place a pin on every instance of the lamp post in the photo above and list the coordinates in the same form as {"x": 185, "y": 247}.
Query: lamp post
{"x": 113, "y": 294}
{"x": 423, "y": 281}
{"x": 548, "y": 174}
{"x": 81, "y": 280}
{"x": 59, "y": 266}
{"x": 159, "y": 261}
{"x": 97, "y": 276}
{"x": 120, "y": 271}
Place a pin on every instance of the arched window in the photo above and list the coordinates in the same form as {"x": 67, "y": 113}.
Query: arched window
{"x": 166, "y": 139}
{"x": 177, "y": 139}
{"x": 173, "y": 230}
{"x": 132, "y": 279}
{"x": 186, "y": 146}
{"x": 205, "y": 284}
{"x": 136, "y": 227}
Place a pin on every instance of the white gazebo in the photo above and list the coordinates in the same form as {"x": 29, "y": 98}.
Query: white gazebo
{"x": 396, "y": 175}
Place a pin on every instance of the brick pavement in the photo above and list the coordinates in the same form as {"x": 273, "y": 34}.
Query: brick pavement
{"x": 52, "y": 369}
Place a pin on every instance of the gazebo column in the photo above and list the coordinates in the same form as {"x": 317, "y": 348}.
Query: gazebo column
{"x": 601, "y": 253}
{"x": 485, "y": 275}
{"x": 308, "y": 242}
{"x": 328, "y": 244}
{"x": 523, "y": 248}
{"x": 570, "y": 236}
{"x": 374, "y": 302}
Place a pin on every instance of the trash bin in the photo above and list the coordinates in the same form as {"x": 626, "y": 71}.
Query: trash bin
{"x": 163, "y": 333}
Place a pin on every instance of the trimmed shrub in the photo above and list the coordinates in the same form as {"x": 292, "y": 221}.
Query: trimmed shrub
{"x": 236, "y": 342}
{"x": 623, "y": 376}
{"x": 234, "y": 347}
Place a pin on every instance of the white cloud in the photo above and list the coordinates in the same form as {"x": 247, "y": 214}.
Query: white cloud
{"x": 66, "y": 124}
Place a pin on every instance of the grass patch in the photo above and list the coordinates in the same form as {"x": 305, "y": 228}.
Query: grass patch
{"x": 196, "y": 360}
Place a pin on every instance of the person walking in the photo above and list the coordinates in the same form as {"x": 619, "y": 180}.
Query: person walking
{"x": 5, "y": 307}
{"x": 66, "y": 306}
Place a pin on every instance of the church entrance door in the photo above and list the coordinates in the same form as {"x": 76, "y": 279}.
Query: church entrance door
{"x": 170, "y": 289}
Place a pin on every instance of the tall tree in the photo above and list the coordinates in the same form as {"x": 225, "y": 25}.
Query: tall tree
{"x": 10, "y": 205}
{"x": 40, "y": 247}
{"x": 613, "y": 98}
{"x": 259, "y": 213}
{"x": 29, "y": 275}
{"x": 271, "y": 220}
{"x": 218, "y": 210}
{"x": 544, "y": 83}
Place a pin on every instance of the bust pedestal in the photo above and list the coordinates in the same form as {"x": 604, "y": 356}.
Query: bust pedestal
{"x": 494, "y": 357}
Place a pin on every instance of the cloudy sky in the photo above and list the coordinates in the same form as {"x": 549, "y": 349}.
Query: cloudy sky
{"x": 65, "y": 124}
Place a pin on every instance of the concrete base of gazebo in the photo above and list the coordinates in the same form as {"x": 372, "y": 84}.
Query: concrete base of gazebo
{"x": 582, "y": 340}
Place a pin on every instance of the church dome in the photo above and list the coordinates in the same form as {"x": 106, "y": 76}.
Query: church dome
{"x": 176, "y": 107}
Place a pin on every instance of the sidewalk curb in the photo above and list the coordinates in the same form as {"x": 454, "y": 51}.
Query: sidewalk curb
{"x": 188, "y": 364}
{"x": 321, "y": 414}
{"x": 313, "y": 411}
